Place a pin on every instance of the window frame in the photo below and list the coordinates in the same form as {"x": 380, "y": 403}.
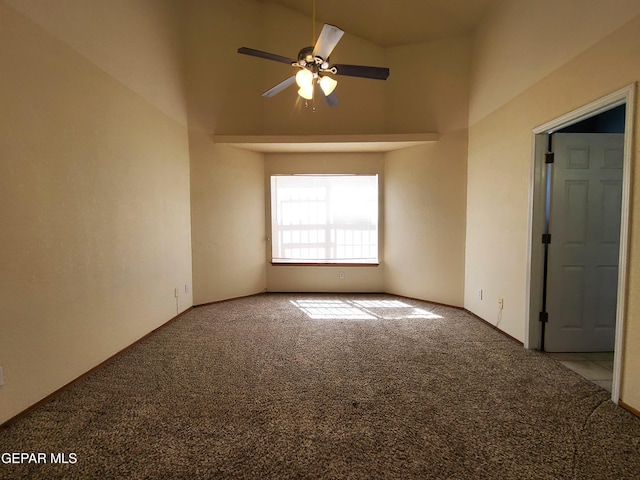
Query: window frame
{"x": 331, "y": 262}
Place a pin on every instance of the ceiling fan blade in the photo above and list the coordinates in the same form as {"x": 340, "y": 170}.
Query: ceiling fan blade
{"x": 327, "y": 41}
{"x": 280, "y": 87}
{"x": 331, "y": 99}
{"x": 363, "y": 71}
{"x": 265, "y": 55}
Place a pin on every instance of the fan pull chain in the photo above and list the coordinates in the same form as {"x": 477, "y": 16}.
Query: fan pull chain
{"x": 313, "y": 42}
{"x": 313, "y": 25}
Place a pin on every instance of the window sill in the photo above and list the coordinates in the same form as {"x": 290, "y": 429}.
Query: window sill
{"x": 323, "y": 264}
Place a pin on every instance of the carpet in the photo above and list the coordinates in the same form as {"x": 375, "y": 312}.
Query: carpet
{"x": 316, "y": 386}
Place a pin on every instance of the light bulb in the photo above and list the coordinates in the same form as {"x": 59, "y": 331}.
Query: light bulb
{"x": 306, "y": 91}
{"x": 328, "y": 85}
{"x": 304, "y": 78}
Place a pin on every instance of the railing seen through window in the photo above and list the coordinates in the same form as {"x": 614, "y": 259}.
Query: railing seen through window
{"x": 324, "y": 218}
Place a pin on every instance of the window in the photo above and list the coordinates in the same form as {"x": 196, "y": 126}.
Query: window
{"x": 324, "y": 219}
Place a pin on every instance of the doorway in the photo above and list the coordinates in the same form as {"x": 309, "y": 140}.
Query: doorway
{"x": 573, "y": 305}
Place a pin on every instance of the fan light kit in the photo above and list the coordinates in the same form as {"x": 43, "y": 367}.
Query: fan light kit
{"x": 314, "y": 67}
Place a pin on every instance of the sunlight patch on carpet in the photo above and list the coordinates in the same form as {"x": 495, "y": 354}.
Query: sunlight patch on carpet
{"x": 361, "y": 310}
{"x": 331, "y": 310}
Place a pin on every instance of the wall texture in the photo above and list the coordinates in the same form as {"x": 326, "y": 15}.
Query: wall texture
{"x": 500, "y": 155}
{"x": 95, "y": 218}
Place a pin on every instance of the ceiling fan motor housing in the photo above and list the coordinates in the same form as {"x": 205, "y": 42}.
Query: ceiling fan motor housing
{"x": 315, "y": 64}
{"x": 305, "y": 57}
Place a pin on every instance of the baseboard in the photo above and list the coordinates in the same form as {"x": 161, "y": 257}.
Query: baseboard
{"x": 215, "y": 302}
{"x": 629, "y": 408}
{"x": 327, "y": 292}
{"x": 464, "y": 310}
{"x": 514, "y": 339}
{"x": 427, "y": 301}
{"x": 51, "y": 396}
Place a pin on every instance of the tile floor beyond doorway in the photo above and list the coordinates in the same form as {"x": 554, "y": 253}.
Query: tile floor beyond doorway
{"x": 597, "y": 367}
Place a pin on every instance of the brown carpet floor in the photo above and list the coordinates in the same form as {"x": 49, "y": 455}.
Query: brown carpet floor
{"x": 282, "y": 386}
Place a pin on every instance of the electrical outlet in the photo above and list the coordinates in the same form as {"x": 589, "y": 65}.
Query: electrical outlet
{"x": 341, "y": 275}
{"x": 186, "y": 288}
{"x": 501, "y": 303}
{"x": 480, "y": 294}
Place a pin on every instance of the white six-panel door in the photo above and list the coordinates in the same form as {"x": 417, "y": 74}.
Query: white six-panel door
{"x": 585, "y": 219}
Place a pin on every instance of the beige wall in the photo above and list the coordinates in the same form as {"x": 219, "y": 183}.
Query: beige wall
{"x": 135, "y": 42}
{"x": 499, "y": 162}
{"x": 428, "y": 88}
{"x": 227, "y": 197}
{"x": 94, "y": 180}
{"x": 288, "y": 278}
{"x": 523, "y": 41}
{"x": 227, "y": 215}
{"x": 223, "y": 95}
{"x": 424, "y": 230}
{"x": 425, "y": 186}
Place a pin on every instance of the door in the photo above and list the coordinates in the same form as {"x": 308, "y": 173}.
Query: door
{"x": 585, "y": 216}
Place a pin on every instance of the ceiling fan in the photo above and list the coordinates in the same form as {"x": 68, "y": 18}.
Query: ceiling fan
{"x": 314, "y": 67}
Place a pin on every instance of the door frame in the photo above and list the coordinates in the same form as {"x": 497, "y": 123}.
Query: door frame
{"x": 536, "y": 221}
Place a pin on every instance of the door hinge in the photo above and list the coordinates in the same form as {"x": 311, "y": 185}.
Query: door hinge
{"x": 549, "y": 157}
{"x": 544, "y": 317}
{"x": 546, "y": 238}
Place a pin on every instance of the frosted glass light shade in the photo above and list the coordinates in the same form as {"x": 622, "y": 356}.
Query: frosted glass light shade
{"x": 328, "y": 85}
{"x": 304, "y": 78}
{"x": 306, "y": 92}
